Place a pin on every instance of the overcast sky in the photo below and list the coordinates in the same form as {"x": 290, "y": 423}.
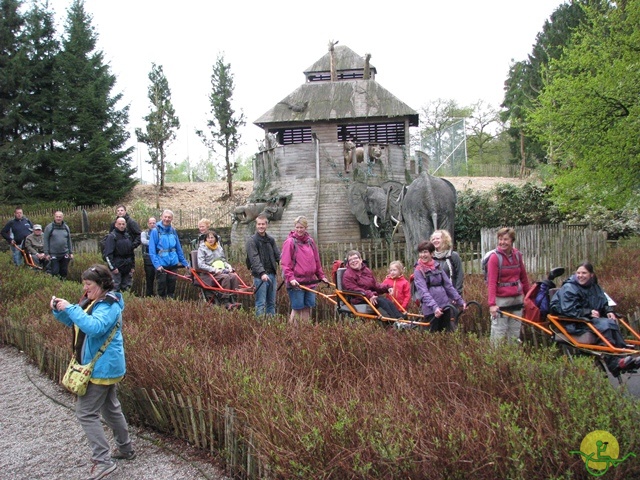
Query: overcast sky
{"x": 422, "y": 50}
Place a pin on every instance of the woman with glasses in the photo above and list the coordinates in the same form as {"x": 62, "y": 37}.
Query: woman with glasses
{"x": 359, "y": 278}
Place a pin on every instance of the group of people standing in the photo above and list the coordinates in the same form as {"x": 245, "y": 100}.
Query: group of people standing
{"x": 49, "y": 249}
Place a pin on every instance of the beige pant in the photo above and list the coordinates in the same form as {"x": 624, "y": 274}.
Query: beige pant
{"x": 503, "y": 327}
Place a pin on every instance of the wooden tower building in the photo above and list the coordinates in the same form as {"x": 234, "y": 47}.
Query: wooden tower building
{"x": 339, "y": 127}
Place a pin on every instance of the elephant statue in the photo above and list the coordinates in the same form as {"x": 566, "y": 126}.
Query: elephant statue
{"x": 248, "y": 213}
{"x": 428, "y": 204}
{"x": 379, "y": 205}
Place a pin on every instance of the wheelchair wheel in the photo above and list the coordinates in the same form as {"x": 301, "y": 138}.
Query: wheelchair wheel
{"x": 470, "y": 320}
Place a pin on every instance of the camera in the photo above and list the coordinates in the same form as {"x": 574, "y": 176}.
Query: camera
{"x": 55, "y": 303}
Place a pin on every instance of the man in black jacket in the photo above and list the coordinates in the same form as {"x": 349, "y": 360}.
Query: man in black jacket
{"x": 118, "y": 253}
{"x": 15, "y": 231}
{"x": 133, "y": 228}
{"x": 263, "y": 257}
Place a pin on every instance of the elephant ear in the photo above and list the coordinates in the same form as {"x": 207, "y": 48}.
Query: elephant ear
{"x": 394, "y": 191}
{"x": 357, "y": 196}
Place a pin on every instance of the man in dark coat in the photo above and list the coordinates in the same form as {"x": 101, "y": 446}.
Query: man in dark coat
{"x": 118, "y": 253}
{"x": 15, "y": 231}
{"x": 263, "y": 257}
{"x": 133, "y": 228}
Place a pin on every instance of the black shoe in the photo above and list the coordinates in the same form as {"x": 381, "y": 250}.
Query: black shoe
{"x": 629, "y": 363}
{"x": 118, "y": 455}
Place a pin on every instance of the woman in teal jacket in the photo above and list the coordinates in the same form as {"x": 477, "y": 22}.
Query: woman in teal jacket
{"x": 93, "y": 318}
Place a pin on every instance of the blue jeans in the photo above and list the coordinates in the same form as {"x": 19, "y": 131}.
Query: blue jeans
{"x": 17, "y": 256}
{"x": 265, "y": 295}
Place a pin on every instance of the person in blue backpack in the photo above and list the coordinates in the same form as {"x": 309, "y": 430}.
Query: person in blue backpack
{"x": 166, "y": 254}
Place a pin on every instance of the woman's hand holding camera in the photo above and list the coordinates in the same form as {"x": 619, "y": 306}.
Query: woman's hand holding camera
{"x": 58, "y": 304}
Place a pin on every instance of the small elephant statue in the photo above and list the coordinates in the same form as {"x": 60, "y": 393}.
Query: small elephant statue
{"x": 248, "y": 213}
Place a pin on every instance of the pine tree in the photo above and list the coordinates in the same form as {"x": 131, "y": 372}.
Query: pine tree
{"x": 223, "y": 126}
{"x": 92, "y": 163}
{"x": 12, "y": 71}
{"x": 161, "y": 122}
{"x": 38, "y": 99}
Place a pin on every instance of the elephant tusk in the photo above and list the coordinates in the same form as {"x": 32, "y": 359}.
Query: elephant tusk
{"x": 375, "y": 221}
{"x": 395, "y": 219}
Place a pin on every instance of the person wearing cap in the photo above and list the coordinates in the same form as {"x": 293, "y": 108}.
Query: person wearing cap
{"x": 211, "y": 259}
{"x": 34, "y": 246}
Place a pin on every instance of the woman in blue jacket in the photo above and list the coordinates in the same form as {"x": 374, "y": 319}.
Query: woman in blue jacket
{"x": 93, "y": 318}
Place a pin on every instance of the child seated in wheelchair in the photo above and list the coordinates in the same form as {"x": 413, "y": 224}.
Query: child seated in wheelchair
{"x": 211, "y": 259}
{"x": 399, "y": 287}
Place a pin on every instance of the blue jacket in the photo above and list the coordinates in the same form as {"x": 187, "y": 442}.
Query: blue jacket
{"x": 97, "y": 326}
{"x": 575, "y": 300}
{"x": 164, "y": 247}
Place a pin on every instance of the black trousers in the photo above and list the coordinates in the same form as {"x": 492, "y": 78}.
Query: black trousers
{"x": 388, "y": 308}
{"x": 166, "y": 282}
{"x": 442, "y": 324}
{"x": 150, "y": 277}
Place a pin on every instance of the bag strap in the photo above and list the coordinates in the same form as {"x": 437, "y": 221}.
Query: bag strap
{"x": 106, "y": 343}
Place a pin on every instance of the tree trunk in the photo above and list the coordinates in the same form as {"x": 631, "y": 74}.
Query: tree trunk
{"x": 229, "y": 174}
{"x": 523, "y": 162}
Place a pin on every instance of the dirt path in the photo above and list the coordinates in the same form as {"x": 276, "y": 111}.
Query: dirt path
{"x": 41, "y": 438}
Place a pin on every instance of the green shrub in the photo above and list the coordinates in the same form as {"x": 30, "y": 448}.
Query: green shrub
{"x": 353, "y": 400}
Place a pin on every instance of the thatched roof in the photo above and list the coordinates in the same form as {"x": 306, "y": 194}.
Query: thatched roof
{"x": 345, "y": 58}
{"x": 347, "y": 100}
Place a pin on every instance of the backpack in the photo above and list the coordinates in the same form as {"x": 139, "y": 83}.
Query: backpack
{"x": 485, "y": 263}
{"x": 102, "y": 243}
{"x": 537, "y": 301}
{"x": 334, "y": 270}
{"x": 415, "y": 295}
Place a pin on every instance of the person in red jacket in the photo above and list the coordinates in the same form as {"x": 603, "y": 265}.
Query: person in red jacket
{"x": 507, "y": 283}
{"x": 398, "y": 284}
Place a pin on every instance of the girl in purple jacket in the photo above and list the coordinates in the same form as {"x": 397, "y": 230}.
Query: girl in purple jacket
{"x": 434, "y": 289}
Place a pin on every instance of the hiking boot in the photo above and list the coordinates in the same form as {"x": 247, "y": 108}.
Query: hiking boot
{"x": 102, "y": 470}
{"x": 118, "y": 455}
{"x": 629, "y": 363}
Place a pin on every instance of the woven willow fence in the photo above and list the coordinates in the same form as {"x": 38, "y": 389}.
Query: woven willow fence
{"x": 212, "y": 427}
{"x": 546, "y": 246}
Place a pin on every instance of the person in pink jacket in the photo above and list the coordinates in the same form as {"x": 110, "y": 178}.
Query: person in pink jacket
{"x": 300, "y": 263}
{"x": 507, "y": 282}
{"x": 399, "y": 285}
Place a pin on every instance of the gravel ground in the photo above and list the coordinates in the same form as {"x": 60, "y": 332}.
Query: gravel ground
{"x": 41, "y": 438}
